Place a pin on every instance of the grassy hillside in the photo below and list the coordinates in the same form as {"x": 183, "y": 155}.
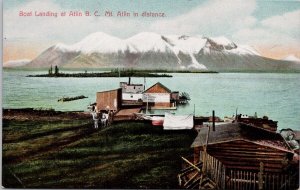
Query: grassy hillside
{"x": 71, "y": 154}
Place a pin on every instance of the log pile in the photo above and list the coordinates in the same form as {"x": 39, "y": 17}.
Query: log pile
{"x": 67, "y": 99}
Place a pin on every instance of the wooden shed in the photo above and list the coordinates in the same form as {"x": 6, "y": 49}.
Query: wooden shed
{"x": 158, "y": 96}
{"x": 240, "y": 156}
{"x": 109, "y": 100}
{"x": 240, "y": 146}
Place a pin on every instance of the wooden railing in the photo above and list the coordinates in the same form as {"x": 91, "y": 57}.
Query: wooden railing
{"x": 246, "y": 180}
{"x": 251, "y": 180}
{"x": 214, "y": 169}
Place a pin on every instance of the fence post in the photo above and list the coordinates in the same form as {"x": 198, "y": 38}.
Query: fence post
{"x": 260, "y": 176}
{"x": 223, "y": 178}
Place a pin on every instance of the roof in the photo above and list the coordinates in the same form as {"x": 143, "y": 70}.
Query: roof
{"x": 110, "y": 90}
{"x": 135, "y": 85}
{"x": 239, "y": 131}
{"x": 131, "y": 84}
{"x": 160, "y": 85}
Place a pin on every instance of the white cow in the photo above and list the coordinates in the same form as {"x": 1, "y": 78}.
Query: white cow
{"x": 95, "y": 118}
{"x": 104, "y": 119}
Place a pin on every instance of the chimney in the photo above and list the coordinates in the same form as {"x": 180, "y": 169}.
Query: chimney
{"x": 213, "y": 117}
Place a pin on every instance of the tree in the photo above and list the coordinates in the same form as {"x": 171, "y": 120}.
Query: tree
{"x": 56, "y": 70}
{"x": 50, "y": 71}
{"x": 184, "y": 96}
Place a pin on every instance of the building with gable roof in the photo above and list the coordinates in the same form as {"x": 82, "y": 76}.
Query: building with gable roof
{"x": 158, "y": 96}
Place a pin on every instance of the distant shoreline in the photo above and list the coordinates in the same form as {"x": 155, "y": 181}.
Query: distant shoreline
{"x": 154, "y": 70}
{"x": 121, "y": 73}
{"x": 105, "y": 74}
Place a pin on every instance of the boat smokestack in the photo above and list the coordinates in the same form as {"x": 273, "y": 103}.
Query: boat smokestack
{"x": 213, "y": 120}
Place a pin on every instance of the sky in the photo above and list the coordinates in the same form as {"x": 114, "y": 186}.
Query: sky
{"x": 271, "y": 27}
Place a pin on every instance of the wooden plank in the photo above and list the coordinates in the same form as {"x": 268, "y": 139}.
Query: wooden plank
{"x": 191, "y": 179}
{"x": 253, "y": 168}
{"x": 244, "y": 180}
{"x": 273, "y": 183}
{"x": 247, "y": 177}
{"x": 194, "y": 184}
{"x": 216, "y": 170}
{"x": 198, "y": 169}
{"x": 239, "y": 146}
{"x": 223, "y": 156}
{"x": 240, "y": 177}
{"x": 236, "y": 180}
{"x": 246, "y": 152}
{"x": 179, "y": 180}
{"x": 230, "y": 156}
{"x": 254, "y": 177}
{"x": 289, "y": 181}
{"x": 251, "y": 181}
{"x": 265, "y": 181}
{"x": 277, "y": 182}
{"x": 282, "y": 181}
{"x": 273, "y": 165}
{"x": 285, "y": 182}
{"x": 230, "y": 181}
{"x": 218, "y": 173}
{"x": 236, "y": 163}
{"x": 190, "y": 168}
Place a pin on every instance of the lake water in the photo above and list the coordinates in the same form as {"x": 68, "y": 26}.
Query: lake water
{"x": 273, "y": 94}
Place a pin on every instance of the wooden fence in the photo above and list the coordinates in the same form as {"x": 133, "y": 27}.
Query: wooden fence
{"x": 251, "y": 180}
{"x": 214, "y": 169}
{"x": 246, "y": 180}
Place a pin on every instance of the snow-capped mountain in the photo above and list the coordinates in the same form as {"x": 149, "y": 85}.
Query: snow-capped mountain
{"x": 147, "y": 41}
{"x": 151, "y": 50}
{"x": 292, "y": 58}
{"x": 16, "y": 63}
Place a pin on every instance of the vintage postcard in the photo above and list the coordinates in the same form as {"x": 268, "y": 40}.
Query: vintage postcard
{"x": 151, "y": 94}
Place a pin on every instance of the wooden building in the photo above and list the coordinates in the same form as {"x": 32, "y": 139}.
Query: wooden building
{"x": 132, "y": 88}
{"x": 175, "y": 96}
{"x": 263, "y": 122}
{"x": 158, "y": 96}
{"x": 240, "y": 156}
{"x": 132, "y": 94}
{"x": 241, "y": 146}
{"x": 109, "y": 100}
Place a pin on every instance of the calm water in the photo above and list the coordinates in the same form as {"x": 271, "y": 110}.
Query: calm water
{"x": 272, "y": 94}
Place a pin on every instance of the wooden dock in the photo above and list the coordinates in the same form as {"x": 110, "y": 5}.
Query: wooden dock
{"x": 126, "y": 114}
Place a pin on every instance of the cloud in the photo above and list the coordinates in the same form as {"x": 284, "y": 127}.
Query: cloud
{"x": 288, "y": 23}
{"x": 231, "y": 18}
{"x": 212, "y": 18}
{"x": 67, "y": 29}
{"x": 281, "y": 30}
{"x": 263, "y": 36}
{"x": 217, "y": 17}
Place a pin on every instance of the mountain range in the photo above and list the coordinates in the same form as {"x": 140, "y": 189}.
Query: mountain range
{"x": 16, "y": 63}
{"x": 155, "y": 51}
